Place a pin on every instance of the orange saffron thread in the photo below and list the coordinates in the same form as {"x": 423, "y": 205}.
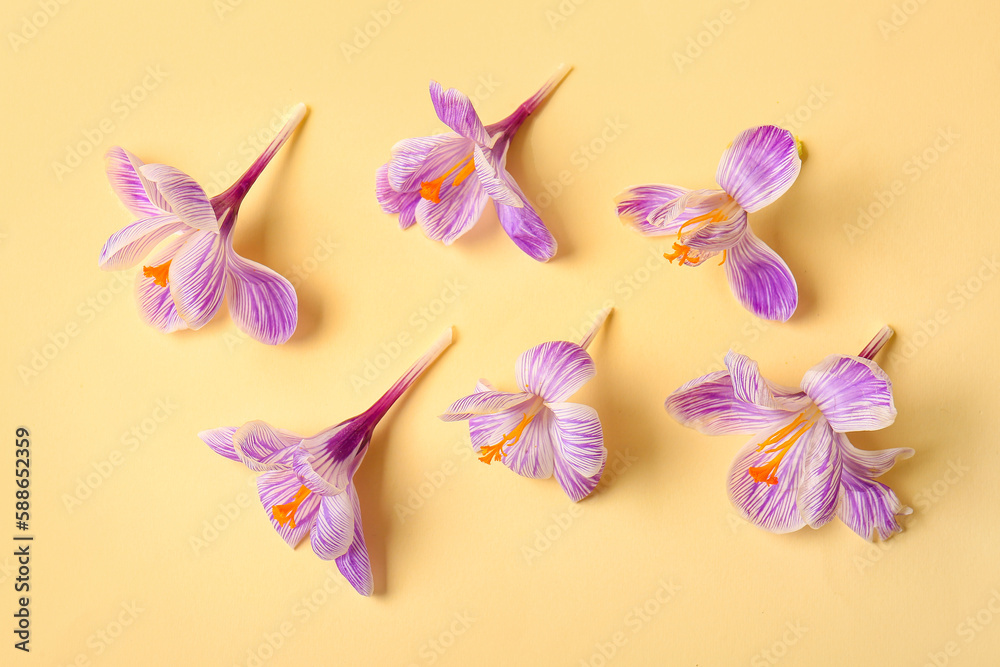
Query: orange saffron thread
{"x": 495, "y": 452}
{"x": 159, "y": 273}
{"x": 285, "y": 514}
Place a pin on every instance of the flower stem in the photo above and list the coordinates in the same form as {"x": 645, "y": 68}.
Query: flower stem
{"x": 510, "y": 124}
{"x": 880, "y": 339}
{"x": 383, "y": 404}
{"x": 234, "y": 195}
{"x": 598, "y": 323}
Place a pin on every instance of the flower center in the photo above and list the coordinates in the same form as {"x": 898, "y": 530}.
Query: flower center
{"x": 158, "y": 273}
{"x": 431, "y": 190}
{"x": 683, "y": 253}
{"x": 285, "y": 514}
{"x": 767, "y": 473}
{"x": 495, "y": 452}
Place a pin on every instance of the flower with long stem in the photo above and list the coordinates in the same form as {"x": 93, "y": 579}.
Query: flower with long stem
{"x": 193, "y": 264}
{"x": 534, "y": 432}
{"x": 306, "y": 483}
{"x": 800, "y": 469}
{"x": 756, "y": 169}
{"x": 443, "y": 182}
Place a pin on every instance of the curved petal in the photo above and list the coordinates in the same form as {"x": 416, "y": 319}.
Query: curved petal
{"x": 262, "y": 303}
{"x": 455, "y": 110}
{"x": 220, "y": 440}
{"x": 156, "y": 305}
{"x": 750, "y": 386}
{"x": 853, "y": 393}
{"x": 759, "y": 166}
{"x": 532, "y": 455}
{"x": 421, "y": 159}
{"x": 262, "y": 447}
{"x": 327, "y": 461}
{"x": 636, "y": 204}
{"x": 554, "y": 371}
{"x": 704, "y": 204}
{"x": 355, "y": 565}
{"x": 459, "y": 208}
{"x": 402, "y": 203}
{"x": 760, "y": 279}
{"x": 577, "y": 437}
{"x": 495, "y": 179}
{"x": 868, "y": 506}
{"x": 131, "y": 243}
{"x": 135, "y": 192}
{"x": 333, "y": 529}
{"x": 709, "y": 404}
{"x": 186, "y": 198}
{"x": 524, "y": 226}
{"x": 279, "y": 488}
{"x": 576, "y": 486}
{"x": 819, "y": 491}
{"x": 197, "y": 278}
{"x": 483, "y": 403}
{"x": 715, "y": 236}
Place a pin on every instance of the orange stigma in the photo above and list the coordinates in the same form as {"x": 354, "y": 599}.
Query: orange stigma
{"x": 715, "y": 215}
{"x": 495, "y": 452}
{"x": 431, "y": 190}
{"x": 158, "y": 273}
{"x": 767, "y": 473}
{"x": 682, "y": 252}
{"x": 285, "y": 514}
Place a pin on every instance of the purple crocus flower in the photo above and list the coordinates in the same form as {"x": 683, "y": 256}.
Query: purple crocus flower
{"x": 194, "y": 264}
{"x": 757, "y": 168}
{"x": 306, "y": 483}
{"x": 800, "y": 469}
{"x": 533, "y": 431}
{"x": 444, "y": 181}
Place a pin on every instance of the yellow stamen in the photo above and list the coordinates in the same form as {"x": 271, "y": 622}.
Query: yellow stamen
{"x": 431, "y": 190}
{"x": 158, "y": 273}
{"x": 715, "y": 215}
{"x": 723, "y": 257}
{"x": 767, "y": 473}
{"x": 682, "y": 252}
{"x": 285, "y": 514}
{"x": 495, "y": 452}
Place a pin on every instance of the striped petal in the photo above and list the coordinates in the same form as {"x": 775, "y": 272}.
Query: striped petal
{"x": 423, "y": 159}
{"x": 220, "y": 440}
{"x": 262, "y": 447}
{"x": 760, "y": 279}
{"x": 866, "y": 505}
{"x": 494, "y": 178}
{"x": 455, "y": 110}
{"x": 750, "y": 386}
{"x": 129, "y": 245}
{"x": 333, "y": 529}
{"x": 262, "y": 303}
{"x": 524, "y": 226}
{"x": 576, "y": 486}
{"x": 636, "y": 204}
{"x": 355, "y": 564}
{"x": 156, "y": 305}
{"x": 853, "y": 393}
{"x": 137, "y": 193}
{"x": 279, "y": 488}
{"x": 484, "y": 403}
{"x": 578, "y": 438}
{"x": 819, "y": 491}
{"x": 532, "y": 455}
{"x": 459, "y": 208}
{"x": 759, "y": 166}
{"x": 554, "y": 371}
{"x": 709, "y": 404}
{"x": 186, "y": 198}
{"x": 715, "y": 236}
{"x": 197, "y": 278}
{"x": 402, "y": 203}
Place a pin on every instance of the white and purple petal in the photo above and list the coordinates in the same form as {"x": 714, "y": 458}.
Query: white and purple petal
{"x": 760, "y": 279}
{"x": 459, "y": 208}
{"x": 759, "y": 166}
{"x": 525, "y": 227}
{"x": 355, "y": 564}
{"x": 455, "y": 110}
{"x": 186, "y": 198}
{"x": 220, "y": 440}
{"x": 554, "y": 370}
{"x": 262, "y": 303}
{"x": 262, "y": 447}
{"x": 636, "y": 204}
{"x": 333, "y": 529}
{"x": 156, "y": 305}
{"x": 750, "y": 386}
{"x": 532, "y": 455}
{"x": 402, "y": 203}
{"x": 709, "y": 404}
{"x": 853, "y": 393}
{"x": 132, "y": 189}
{"x": 483, "y": 403}
{"x": 578, "y": 439}
{"x": 279, "y": 488}
{"x": 494, "y": 178}
{"x": 197, "y": 278}
{"x": 819, "y": 490}
{"x": 867, "y": 506}
{"x": 130, "y": 244}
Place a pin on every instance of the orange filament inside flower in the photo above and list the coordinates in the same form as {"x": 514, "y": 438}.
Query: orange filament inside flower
{"x": 158, "y": 273}
{"x": 767, "y": 473}
{"x": 715, "y": 215}
{"x": 431, "y": 190}
{"x": 495, "y": 452}
{"x": 682, "y": 252}
{"x": 285, "y": 514}
{"x": 723, "y": 257}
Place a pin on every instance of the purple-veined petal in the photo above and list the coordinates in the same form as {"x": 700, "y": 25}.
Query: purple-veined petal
{"x": 532, "y": 454}
{"x": 455, "y": 110}
{"x": 402, "y": 203}
{"x": 853, "y": 393}
{"x": 819, "y": 489}
{"x": 262, "y": 447}
{"x": 262, "y": 303}
{"x": 577, "y": 437}
{"x": 760, "y": 279}
{"x": 327, "y": 461}
{"x": 866, "y": 505}
{"x": 759, "y": 166}
{"x": 459, "y": 208}
{"x": 187, "y": 199}
{"x": 483, "y": 403}
{"x": 554, "y": 371}
{"x": 333, "y": 529}
{"x": 220, "y": 440}
{"x": 279, "y": 488}
{"x": 494, "y": 178}
{"x": 488, "y": 430}
{"x": 132, "y": 189}
{"x": 691, "y": 206}
{"x": 355, "y": 565}
{"x": 708, "y": 404}
{"x": 750, "y": 386}
{"x": 131, "y": 243}
{"x": 156, "y": 305}
{"x": 576, "y": 486}
{"x": 525, "y": 227}
{"x": 420, "y": 159}
{"x": 636, "y": 204}
{"x": 715, "y": 237}
{"x": 197, "y": 278}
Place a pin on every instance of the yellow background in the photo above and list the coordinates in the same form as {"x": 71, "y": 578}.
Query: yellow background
{"x": 492, "y": 568}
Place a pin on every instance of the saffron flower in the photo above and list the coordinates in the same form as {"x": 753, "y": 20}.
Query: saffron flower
{"x": 757, "y": 168}
{"x": 533, "y": 431}
{"x": 444, "y": 181}
{"x": 306, "y": 483}
{"x": 800, "y": 469}
{"x": 193, "y": 263}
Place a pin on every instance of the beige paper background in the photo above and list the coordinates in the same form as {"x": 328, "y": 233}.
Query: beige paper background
{"x": 490, "y": 568}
